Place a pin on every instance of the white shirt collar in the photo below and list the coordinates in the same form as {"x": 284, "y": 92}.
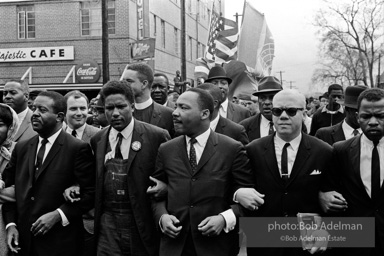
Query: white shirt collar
{"x": 325, "y": 109}
{"x": 165, "y": 104}
{"x": 53, "y": 137}
{"x": 201, "y": 139}
{"x": 126, "y": 132}
{"x": 224, "y": 105}
{"x": 264, "y": 122}
{"x": 78, "y": 130}
{"x": 368, "y": 142}
{"x": 348, "y": 130}
{"x": 144, "y": 104}
{"x": 22, "y": 115}
{"x": 214, "y": 123}
{"x": 295, "y": 143}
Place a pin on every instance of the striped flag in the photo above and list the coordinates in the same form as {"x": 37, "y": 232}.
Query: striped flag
{"x": 222, "y": 39}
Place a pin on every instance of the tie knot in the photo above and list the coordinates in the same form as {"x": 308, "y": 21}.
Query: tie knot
{"x": 44, "y": 141}
{"x": 355, "y": 132}
{"x": 271, "y": 123}
{"x": 286, "y": 145}
{"x": 193, "y": 141}
{"x": 119, "y": 136}
{"x": 375, "y": 143}
{"x": 74, "y": 133}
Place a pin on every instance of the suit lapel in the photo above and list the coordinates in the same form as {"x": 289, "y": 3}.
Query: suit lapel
{"x": 303, "y": 153}
{"x": 32, "y": 147}
{"x": 24, "y": 125}
{"x": 52, "y": 153}
{"x": 230, "y": 111}
{"x": 101, "y": 151}
{"x": 270, "y": 159}
{"x": 156, "y": 114}
{"x": 338, "y": 133}
{"x": 220, "y": 125}
{"x": 209, "y": 150}
{"x": 85, "y": 134}
{"x": 255, "y": 127}
{"x": 183, "y": 153}
{"x": 136, "y": 137}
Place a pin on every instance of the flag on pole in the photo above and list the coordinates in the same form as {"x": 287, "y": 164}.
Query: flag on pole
{"x": 256, "y": 46}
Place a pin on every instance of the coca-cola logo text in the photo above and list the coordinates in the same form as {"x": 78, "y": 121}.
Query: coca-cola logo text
{"x": 87, "y": 72}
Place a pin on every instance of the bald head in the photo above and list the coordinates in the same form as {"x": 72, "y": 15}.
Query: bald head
{"x": 294, "y": 96}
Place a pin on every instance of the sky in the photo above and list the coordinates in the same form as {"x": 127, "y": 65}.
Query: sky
{"x": 290, "y": 22}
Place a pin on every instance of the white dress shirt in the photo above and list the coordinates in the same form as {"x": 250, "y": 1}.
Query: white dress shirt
{"x": 144, "y": 104}
{"x": 214, "y": 123}
{"x": 79, "y": 131}
{"x": 348, "y": 130}
{"x": 264, "y": 127}
{"x": 201, "y": 142}
{"x": 291, "y": 151}
{"x": 366, "y": 147}
{"x": 224, "y": 109}
{"x": 126, "y": 142}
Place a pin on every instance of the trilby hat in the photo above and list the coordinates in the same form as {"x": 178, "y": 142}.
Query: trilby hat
{"x": 351, "y": 95}
{"x": 268, "y": 84}
{"x": 217, "y": 72}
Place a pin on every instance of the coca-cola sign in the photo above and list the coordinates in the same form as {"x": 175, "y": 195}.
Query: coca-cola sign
{"x": 143, "y": 49}
{"x": 87, "y": 72}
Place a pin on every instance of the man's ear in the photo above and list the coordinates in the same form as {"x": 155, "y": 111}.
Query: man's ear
{"x": 26, "y": 95}
{"x": 60, "y": 117}
{"x": 205, "y": 114}
{"x": 216, "y": 104}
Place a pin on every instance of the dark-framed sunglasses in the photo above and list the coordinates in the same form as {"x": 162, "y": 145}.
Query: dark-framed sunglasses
{"x": 289, "y": 111}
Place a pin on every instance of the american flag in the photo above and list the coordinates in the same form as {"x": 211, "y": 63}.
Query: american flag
{"x": 222, "y": 40}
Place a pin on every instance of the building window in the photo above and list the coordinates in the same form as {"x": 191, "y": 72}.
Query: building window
{"x": 176, "y": 40}
{"x": 154, "y": 25}
{"x": 190, "y": 48}
{"x": 91, "y": 18}
{"x": 163, "y": 33}
{"x": 26, "y": 21}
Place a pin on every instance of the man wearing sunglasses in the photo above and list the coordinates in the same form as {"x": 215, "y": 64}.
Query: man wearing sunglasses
{"x": 140, "y": 77}
{"x": 288, "y": 167}
{"x": 261, "y": 124}
{"x": 332, "y": 113}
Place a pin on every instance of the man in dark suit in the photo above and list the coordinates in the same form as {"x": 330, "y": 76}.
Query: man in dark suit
{"x": 261, "y": 125}
{"x": 202, "y": 169}
{"x": 140, "y": 77}
{"x": 16, "y": 95}
{"x": 234, "y": 112}
{"x": 77, "y": 113}
{"x": 349, "y": 127}
{"x": 125, "y": 159}
{"x": 41, "y": 168}
{"x": 357, "y": 169}
{"x": 220, "y": 124}
{"x": 159, "y": 90}
{"x": 288, "y": 167}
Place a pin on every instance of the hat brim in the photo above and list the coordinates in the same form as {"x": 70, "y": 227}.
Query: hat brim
{"x": 229, "y": 80}
{"x": 265, "y": 91}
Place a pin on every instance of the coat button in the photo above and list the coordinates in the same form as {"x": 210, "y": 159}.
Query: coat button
{"x": 191, "y": 206}
{"x": 193, "y": 179}
{"x": 32, "y": 198}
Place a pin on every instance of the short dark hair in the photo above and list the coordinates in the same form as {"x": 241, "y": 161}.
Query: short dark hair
{"x": 212, "y": 89}
{"x": 163, "y": 75}
{"x": 334, "y": 87}
{"x": 204, "y": 99}
{"x": 59, "y": 102}
{"x": 6, "y": 115}
{"x": 371, "y": 94}
{"x": 23, "y": 84}
{"x": 75, "y": 94}
{"x": 117, "y": 87}
{"x": 144, "y": 70}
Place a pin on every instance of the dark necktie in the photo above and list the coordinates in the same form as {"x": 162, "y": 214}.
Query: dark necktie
{"x": 118, "y": 154}
{"x": 74, "y": 133}
{"x": 375, "y": 175}
{"x": 270, "y": 131}
{"x": 192, "y": 155}
{"x": 355, "y": 132}
{"x": 284, "y": 162}
{"x": 40, "y": 156}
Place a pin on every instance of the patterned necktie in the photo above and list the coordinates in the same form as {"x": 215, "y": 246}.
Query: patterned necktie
{"x": 375, "y": 175}
{"x": 74, "y": 133}
{"x": 284, "y": 162}
{"x": 40, "y": 156}
{"x": 192, "y": 155}
{"x": 355, "y": 132}
{"x": 118, "y": 154}
{"x": 270, "y": 131}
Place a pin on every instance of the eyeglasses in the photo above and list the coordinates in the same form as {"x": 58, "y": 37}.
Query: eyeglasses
{"x": 289, "y": 111}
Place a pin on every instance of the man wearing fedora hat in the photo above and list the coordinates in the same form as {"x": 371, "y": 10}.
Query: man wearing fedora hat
{"x": 261, "y": 124}
{"x": 333, "y": 201}
{"x": 233, "y": 112}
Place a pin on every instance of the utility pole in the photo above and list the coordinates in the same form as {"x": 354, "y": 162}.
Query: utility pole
{"x": 290, "y": 84}
{"x": 183, "y": 50}
{"x": 104, "y": 40}
{"x": 378, "y": 77}
{"x": 237, "y": 17}
{"x": 281, "y": 76}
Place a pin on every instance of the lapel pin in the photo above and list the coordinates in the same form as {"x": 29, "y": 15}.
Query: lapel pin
{"x": 136, "y": 146}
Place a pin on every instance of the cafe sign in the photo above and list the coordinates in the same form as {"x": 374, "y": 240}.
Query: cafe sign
{"x": 37, "y": 54}
{"x": 143, "y": 49}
